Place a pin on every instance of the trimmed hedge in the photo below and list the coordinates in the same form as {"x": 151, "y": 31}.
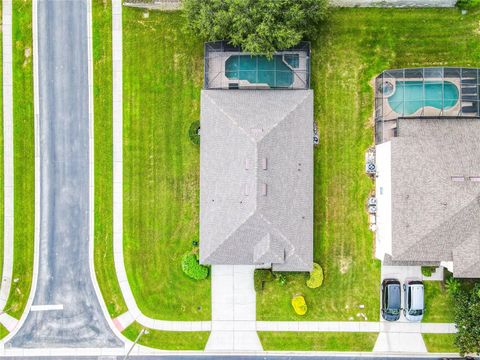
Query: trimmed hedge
{"x": 316, "y": 277}
{"x": 467, "y": 4}
{"x": 192, "y": 268}
{"x": 194, "y": 132}
{"x": 428, "y": 270}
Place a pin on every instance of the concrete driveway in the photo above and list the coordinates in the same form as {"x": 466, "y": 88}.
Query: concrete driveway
{"x": 66, "y": 312}
{"x": 391, "y": 341}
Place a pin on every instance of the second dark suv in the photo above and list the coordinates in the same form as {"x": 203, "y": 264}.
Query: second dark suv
{"x": 391, "y": 299}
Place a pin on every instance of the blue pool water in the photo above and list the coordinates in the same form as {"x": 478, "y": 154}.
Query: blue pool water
{"x": 410, "y": 96}
{"x": 260, "y": 70}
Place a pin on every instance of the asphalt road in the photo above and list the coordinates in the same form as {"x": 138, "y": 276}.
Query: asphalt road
{"x": 64, "y": 276}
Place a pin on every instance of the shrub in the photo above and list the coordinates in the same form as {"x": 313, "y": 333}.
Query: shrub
{"x": 453, "y": 286}
{"x": 467, "y": 4}
{"x": 316, "y": 277}
{"x": 260, "y": 277}
{"x": 194, "y": 132}
{"x": 281, "y": 278}
{"x": 467, "y": 318}
{"x": 428, "y": 270}
{"x": 299, "y": 305}
{"x": 192, "y": 268}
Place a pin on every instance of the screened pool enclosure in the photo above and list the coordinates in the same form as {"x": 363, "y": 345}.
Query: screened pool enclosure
{"x": 424, "y": 92}
{"x": 227, "y": 67}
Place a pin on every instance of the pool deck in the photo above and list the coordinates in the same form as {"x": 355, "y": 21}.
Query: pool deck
{"x": 388, "y": 123}
{"x": 217, "y": 79}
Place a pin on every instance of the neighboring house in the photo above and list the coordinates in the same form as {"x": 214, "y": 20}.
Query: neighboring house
{"x": 256, "y": 176}
{"x": 428, "y": 169}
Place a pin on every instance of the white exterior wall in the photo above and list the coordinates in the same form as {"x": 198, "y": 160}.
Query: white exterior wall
{"x": 383, "y": 193}
{"x": 448, "y": 265}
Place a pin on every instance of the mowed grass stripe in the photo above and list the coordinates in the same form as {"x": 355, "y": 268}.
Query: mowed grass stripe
{"x": 440, "y": 343}
{"x": 317, "y": 341}
{"x": 162, "y": 78}
{"x": 103, "y": 156}
{"x": 24, "y": 152}
{"x": 168, "y": 340}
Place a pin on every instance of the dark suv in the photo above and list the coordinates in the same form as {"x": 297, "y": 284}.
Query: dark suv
{"x": 391, "y": 299}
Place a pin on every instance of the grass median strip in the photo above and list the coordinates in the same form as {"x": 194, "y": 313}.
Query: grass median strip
{"x": 103, "y": 142}
{"x": 162, "y": 78}
{"x": 168, "y": 340}
{"x": 24, "y": 153}
{"x": 440, "y": 343}
{"x": 345, "y": 58}
{"x": 317, "y": 341}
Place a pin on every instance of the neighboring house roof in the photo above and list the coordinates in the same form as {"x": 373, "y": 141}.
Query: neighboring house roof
{"x": 256, "y": 178}
{"x": 436, "y": 214}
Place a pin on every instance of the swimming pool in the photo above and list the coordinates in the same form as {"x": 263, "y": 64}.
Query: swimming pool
{"x": 410, "y": 96}
{"x": 260, "y": 70}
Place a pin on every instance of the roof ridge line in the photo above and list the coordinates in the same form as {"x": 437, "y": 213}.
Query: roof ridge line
{"x": 475, "y": 199}
{"x": 231, "y": 119}
{"x": 233, "y": 231}
{"x": 287, "y": 114}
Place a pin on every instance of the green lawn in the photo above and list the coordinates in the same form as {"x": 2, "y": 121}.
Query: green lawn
{"x": 168, "y": 340}
{"x": 354, "y": 46}
{"x": 440, "y": 343}
{"x": 3, "y": 331}
{"x": 438, "y": 303}
{"x": 102, "y": 84}
{"x": 162, "y": 78}
{"x": 318, "y": 341}
{"x": 24, "y": 164}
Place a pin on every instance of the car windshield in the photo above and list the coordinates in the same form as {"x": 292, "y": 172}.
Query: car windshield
{"x": 415, "y": 312}
{"x": 393, "y": 311}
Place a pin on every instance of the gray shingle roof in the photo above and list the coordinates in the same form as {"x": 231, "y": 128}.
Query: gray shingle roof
{"x": 256, "y": 178}
{"x": 435, "y": 217}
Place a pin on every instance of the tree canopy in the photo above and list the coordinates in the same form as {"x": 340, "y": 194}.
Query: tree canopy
{"x": 467, "y": 319}
{"x": 258, "y": 26}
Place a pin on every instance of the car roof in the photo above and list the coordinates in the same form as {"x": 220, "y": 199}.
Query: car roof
{"x": 417, "y": 297}
{"x": 393, "y": 295}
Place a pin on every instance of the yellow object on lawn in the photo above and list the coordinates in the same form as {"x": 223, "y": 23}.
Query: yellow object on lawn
{"x": 299, "y": 304}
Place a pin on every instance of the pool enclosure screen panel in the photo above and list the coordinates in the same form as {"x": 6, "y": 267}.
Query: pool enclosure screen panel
{"x": 424, "y": 92}
{"x": 227, "y": 67}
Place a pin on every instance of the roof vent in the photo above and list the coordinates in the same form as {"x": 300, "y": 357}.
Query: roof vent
{"x": 247, "y": 164}
{"x": 264, "y": 163}
{"x": 458, "y": 178}
{"x": 246, "y": 190}
{"x": 475, "y": 178}
{"x": 264, "y": 189}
